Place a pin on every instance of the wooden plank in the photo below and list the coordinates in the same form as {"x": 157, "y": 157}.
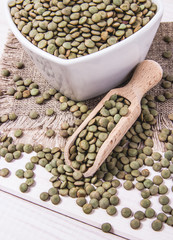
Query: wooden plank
{"x": 68, "y": 207}
{"x": 22, "y": 220}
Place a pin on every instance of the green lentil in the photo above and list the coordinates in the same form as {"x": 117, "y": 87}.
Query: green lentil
{"x": 32, "y": 85}
{"x": 50, "y": 133}
{"x": 52, "y": 191}
{"x": 139, "y": 215}
{"x": 81, "y": 201}
{"x": 165, "y": 173}
{"x": 145, "y": 172}
{"x": 12, "y": 116}
{"x": 28, "y": 174}
{"x": 95, "y": 194}
{"x": 164, "y": 200}
{"x": 44, "y": 196}
{"x": 29, "y": 166}
{"x": 104, "y": 203}
{"x": 148, "y": 183}
{"x": 20, "y": 173}
{"x": 128, "y": 185}
{"x": 11, "y": 91}
{"x": 160, "y": 98}
{"x": 162, "y": 217}
{"x": 11, "y": 148}
{"x": 157, "y": 225}
{"x": 168, "y": 154}
{"x": 163, "y": 189}
{"x": 34, "y": 159}
{"x": 167, "y": 54}
{"x": 18, "y": 133}
{"x": 149, "y": 213}
{"x": 72, "y": 192}
{"x": 145, "y": 194}
{"x": 157, "y": 180}
{"x": 5, "y": 72}
{"x": 63, "y": 106}
{"x": 87, "y": 208}
{"x": 49, "y": 112}
{"x": 4, "y": 118}
{"x": 19, "y": 147}
{"x": 126, "y": 212}
{"x": 55, "y": 199}
{"x": 166, "y": 208}
{"x": 166, "y": 84}
{"x": 9, "y": 157}
{"x": 39, "y": 100}
{"x": 114, "y": 200}
{"x": 34, "y": 91}
{"x": 106, "y": 227}
{"x": 157, "y": 166}
{"x": 3, "y": 151}
{"x": 165, "y": 162}
{"x": 23, "y": 187}
{"x": 19, "y": 65}
{"x": 111, "y": 210}
{"x": 30, "y": 181}
{"x": 139, "y": 186}
{"x": 33, "y": 115}
{"x": 154, "y": 190}
{"x": 135, "y": 223}
{"x": 145, "y": 203}
{"x": 170, "y": 221}
{"x": 17, "y": 78}
{"x": 18, "y": 95}
{"x": 167, "y": 39}
{"x": 4, "y": 172}
{"x": 28, "y": 148}
{"x": 94, "y": 202}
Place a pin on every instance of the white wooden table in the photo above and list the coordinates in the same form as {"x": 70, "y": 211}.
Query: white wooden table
{"x": 20, "y": 219}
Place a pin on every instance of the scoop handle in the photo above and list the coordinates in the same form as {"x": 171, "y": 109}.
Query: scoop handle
{"x": 147, "y": 74}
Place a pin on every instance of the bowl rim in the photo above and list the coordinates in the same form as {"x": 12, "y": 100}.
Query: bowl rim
{"x": 26, "y": 43}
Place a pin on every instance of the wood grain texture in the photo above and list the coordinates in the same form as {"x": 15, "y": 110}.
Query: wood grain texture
{"x": 146, "y": 75}
{"x": 30, "y": 221}
{"x": 69, "y": 209}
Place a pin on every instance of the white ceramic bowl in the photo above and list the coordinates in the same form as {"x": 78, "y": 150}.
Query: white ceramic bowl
{"x": 89, "y": 76}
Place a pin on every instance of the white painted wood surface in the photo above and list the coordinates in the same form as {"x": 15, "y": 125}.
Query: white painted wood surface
{"x": 21, "y": 219}
{"x": 68, "y": 207}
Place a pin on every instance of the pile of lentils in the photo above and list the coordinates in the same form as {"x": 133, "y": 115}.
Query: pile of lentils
{"x": 129, "y": 165}
{"x": 84, "y": 151}
{"x": 71, "y": 29}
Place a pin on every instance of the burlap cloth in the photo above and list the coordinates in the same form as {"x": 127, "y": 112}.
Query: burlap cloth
{"x": 34, "y": 130}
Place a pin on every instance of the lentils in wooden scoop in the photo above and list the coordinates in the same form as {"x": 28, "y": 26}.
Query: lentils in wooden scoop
{"x": 91, "y": 138}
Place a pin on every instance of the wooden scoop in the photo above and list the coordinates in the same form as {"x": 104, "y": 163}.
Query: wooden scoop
{"x": 147, "y": 74}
